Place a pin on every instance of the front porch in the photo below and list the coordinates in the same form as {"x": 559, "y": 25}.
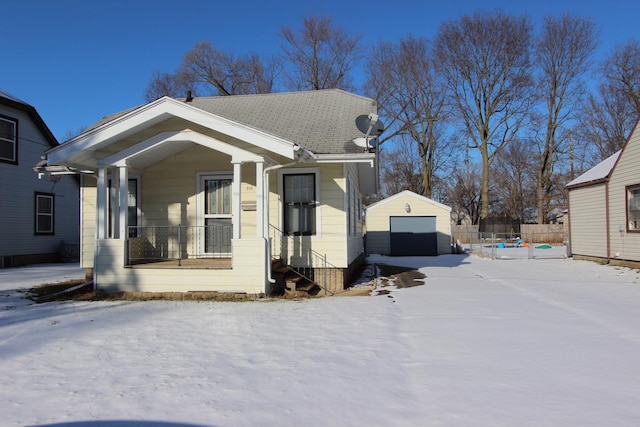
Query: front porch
{"x": 180, "y": 246}
{"x": 245, "y": 271}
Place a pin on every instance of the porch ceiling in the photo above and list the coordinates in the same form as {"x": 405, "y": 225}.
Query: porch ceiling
{"x": 166, "y": 144}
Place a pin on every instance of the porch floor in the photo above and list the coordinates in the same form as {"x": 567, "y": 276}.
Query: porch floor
{"x": 192, "y": 263}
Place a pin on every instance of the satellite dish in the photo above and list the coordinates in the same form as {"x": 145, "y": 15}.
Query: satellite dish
{"x": 369, "y": 125}
{"x": 364, "y": 142}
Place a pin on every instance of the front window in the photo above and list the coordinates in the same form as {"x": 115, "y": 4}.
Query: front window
{"x": 299, "y": 204}
{"x": 8, "y": 140}
{"x": 633, "y": 208}
{"x": 44, "y": 220}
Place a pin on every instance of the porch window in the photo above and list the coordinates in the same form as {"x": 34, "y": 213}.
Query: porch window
{"x": 299, "y": 204}
{"x": 633, "y": 208}
{"x": 8, "y": 140}
{"x": 44, "y": 214}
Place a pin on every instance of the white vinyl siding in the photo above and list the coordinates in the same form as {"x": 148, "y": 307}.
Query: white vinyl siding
{"x": 17, "y": 187}
{"x": 331, "y": 222}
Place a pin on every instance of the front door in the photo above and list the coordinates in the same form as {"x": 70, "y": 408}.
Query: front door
{"x": 214, "y": 220}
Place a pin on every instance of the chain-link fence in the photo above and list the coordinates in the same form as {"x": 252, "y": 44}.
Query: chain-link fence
{"x": 533, "y": 242}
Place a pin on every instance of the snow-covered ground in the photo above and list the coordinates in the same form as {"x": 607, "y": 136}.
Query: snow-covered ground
{"x": 482, "y": 343}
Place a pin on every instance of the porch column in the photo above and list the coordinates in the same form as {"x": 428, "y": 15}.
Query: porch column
{"x": 259, "y": 200}
{"x": 235, "y": 198}
{"x": 124, "y": 201}
{"x": 101, "y": 203}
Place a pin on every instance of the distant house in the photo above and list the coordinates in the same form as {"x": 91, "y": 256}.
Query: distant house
{"x": 604, "y": 208}
{"x": 408, "y": 224}
{"x": 224, "y": 194}
{"x": 38, "y": 214}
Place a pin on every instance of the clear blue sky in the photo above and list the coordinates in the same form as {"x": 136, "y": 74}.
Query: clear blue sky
{"x": 76, "y": 61}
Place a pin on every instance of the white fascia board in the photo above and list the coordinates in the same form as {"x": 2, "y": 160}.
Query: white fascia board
{"x": 408, "y": 193}
{"x": 160, "y": 110}
{"x": 344, "y": 158}
{"x": 238, "y": 155}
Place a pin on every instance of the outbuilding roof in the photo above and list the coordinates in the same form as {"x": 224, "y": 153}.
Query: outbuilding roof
{"x": 598, "y": 173}
{"x": 408, "y": 193}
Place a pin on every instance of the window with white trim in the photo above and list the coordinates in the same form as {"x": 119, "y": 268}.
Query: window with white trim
{"x": 44, "y": 213}
{"x": 299, "y": 204}
{"x": 633, "y": 208}
{"x": 8, "y": 140}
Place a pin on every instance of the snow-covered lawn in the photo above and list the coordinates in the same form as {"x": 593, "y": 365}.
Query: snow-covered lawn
{"x": 481, "y": 343}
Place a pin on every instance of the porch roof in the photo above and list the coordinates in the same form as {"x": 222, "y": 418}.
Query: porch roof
{"x": 82, "y": 152}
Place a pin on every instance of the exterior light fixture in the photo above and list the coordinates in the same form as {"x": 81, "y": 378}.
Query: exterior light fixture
{"x": 407, "y": 207}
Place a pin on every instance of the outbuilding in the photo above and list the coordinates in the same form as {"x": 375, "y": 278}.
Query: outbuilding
{"x": 604, "y": 208}
{"x": 407, "y": 224}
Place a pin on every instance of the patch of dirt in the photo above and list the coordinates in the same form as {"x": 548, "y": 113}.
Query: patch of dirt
{"x": 56, "y": 291}
{"x": 404, "y": 277}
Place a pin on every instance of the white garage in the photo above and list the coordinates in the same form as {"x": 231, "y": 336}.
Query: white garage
{"x": 408, "y": 224}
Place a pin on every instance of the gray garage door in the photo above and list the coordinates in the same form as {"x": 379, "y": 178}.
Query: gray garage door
{"x": 413, "y": 235}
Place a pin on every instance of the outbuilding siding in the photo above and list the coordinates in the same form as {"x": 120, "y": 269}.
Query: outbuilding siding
{"x": 588, "y": 220}
{"x": 624, "y": 245}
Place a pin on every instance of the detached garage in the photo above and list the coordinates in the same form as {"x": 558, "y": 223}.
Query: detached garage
{"x": 408, "y": 224}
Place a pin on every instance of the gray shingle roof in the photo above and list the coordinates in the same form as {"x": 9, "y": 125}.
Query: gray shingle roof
{"x": 322, "y": 121}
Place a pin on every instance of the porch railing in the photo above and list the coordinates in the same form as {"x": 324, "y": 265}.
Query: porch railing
{"x": 294, "y": 252}
{"x": 163, "y": 243}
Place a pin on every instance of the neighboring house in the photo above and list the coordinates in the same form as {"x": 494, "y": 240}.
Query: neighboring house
{"x": 604, "y": 208}
{"x": 38, "y": 213}
{"x": 408, "y": 224}
{"x": 202, "y": 194}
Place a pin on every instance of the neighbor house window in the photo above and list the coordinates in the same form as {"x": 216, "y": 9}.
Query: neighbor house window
{"x": 300, "y": 202}
{"x": 8, "y": 140}
{"x": 44, "y": 213}
{"x": 633, "y": 208}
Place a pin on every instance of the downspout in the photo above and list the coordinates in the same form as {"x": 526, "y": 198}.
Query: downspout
{"x": 606, "y": 216}
{"x": 302, "y": 157}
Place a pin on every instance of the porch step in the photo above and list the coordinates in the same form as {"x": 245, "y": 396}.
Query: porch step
{"x": 289, "y": 282}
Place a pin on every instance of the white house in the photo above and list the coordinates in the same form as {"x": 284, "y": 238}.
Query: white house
{"x": 202, "y": 194}
{"x": 39, "y": 218}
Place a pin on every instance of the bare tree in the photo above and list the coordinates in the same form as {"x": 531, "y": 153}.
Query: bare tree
{"x": 464, "y": 194}
{"x": 412, "y": 95}
{"x": 320, "y": 55}
{"x": 563, "y": 52}
{"x": 165, "y": 84}
{"x": 606, "y": 121}
{"x": 399, "y": 169}
{"x": 208, "y": 70}
{"x": 622, "y": 72}
{"x": 486, "y": 60}
{"x": 225, "y": 73}
{"x": 514, "y": 179}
